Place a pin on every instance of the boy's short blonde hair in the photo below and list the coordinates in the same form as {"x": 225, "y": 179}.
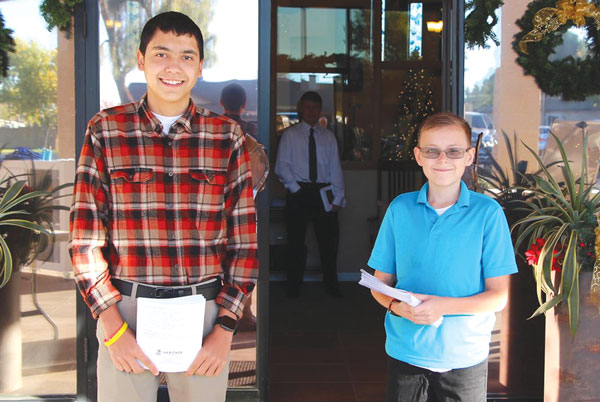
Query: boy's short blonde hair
{"x": 445, "y": 120}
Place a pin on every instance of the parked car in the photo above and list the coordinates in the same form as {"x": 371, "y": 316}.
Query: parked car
{"x": 544, "y": 133}
{"x": 482, "y": 123}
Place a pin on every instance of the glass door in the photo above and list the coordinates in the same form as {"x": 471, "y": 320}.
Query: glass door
{"x": 37, "y": 145}
{"x": 108, "y": 56}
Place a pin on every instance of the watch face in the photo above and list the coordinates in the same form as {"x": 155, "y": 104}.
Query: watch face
{"x": 227, "y": 323}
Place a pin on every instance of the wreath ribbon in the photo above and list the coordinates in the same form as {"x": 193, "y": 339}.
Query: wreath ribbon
{"x": 549, "y": 19}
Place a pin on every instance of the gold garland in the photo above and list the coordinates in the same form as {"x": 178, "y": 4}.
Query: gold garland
{"x": 595, "y": 288}
{"x": 549, "y": 19}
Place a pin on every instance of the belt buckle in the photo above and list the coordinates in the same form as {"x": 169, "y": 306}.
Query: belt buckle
{"x": 168, "y": 293}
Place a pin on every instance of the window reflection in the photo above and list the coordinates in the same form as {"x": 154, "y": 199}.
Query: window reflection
{"x": 370, "y": 97}
{"x": 37, "y": 140}
{"x": 327, "y": 50}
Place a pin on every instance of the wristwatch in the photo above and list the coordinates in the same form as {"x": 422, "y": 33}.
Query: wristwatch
{"x": 227, "y": 323}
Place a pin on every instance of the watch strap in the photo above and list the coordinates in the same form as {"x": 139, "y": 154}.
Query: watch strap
{"x": 227, "y": 323}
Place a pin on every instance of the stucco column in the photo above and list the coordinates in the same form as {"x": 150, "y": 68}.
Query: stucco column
{"x": 517, "y": 102}
{"x": 65, "y": 60}
{"x": 517, "y": 99}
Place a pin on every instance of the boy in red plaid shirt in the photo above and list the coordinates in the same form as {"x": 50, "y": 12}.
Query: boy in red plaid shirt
{"x": 163, "y": 208}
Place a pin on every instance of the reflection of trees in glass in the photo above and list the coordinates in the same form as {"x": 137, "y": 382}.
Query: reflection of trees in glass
{"x": 396, "y": 36}
{"x": 571, "y": 46}
{"x": 29, "y": 91}
{"x": 481, "y": 97}
{"x": 124, "y": 21}
{"x": 360, "y": 33}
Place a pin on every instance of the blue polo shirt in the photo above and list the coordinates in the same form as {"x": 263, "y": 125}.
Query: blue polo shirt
{"x": 448, "y": 255}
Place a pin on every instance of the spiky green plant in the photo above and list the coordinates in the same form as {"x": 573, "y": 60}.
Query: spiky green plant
{"x": 562, "y": 212}
{"x": 26, "y": 209}
{"x": 510, "y": 185}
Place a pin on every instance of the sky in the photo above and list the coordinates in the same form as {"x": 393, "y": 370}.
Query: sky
{"x": 480, "y": 63}
{"x": 17, "y": 12}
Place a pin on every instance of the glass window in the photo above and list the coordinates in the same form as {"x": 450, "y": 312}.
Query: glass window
{"x": 373, "y": 100}
{"x": 561, "y": 116}
{"x": 37, "y": 134}
{"x": 230, "y": 30}
{"x": 327, "y": 50}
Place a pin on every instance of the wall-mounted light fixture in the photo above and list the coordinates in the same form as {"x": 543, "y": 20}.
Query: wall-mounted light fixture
{"x": 435, "y": 26}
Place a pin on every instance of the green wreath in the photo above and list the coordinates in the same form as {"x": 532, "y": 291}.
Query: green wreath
{"x": 570, "y": 78}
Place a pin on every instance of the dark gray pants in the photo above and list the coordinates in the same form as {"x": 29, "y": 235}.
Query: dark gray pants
{"x": 408, "y": 383}
{"x": 303, "y": 207}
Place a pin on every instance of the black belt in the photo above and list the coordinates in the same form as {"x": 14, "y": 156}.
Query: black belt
{"x": 312, "y": 186}
{"x": 208, "y": 290}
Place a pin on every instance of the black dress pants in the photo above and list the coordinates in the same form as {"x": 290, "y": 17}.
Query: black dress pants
{"x": 302, "y": 207}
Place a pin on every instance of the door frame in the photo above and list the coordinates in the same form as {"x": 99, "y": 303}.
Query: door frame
{"x": 87, "y": 103}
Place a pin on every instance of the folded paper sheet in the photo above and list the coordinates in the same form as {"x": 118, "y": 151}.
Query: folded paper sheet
{"x": 169, "y": 331}
{"x": 369, "y": 281}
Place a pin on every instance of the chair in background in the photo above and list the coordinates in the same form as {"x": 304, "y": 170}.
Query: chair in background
{"x": 393, "y": 178}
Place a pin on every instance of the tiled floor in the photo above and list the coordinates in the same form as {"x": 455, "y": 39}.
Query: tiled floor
{"x": 325, "y": 348}
{"x": 332, "y": 349}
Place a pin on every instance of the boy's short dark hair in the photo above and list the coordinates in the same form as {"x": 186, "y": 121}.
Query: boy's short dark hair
{"x": 233, "y": 97}
{"x": 171, "y": 21}
{"x": 445, "y": 120}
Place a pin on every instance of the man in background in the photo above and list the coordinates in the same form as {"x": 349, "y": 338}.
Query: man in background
{"x": 307, "y": 162}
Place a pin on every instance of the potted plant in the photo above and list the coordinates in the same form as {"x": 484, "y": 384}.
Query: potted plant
{"x": 27, "y": 203}
{"x": 519, "y": 336}
{"x": 559, "y": 225}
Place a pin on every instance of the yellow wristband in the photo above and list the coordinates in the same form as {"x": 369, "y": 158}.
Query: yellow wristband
{"x": 117, "y": 335}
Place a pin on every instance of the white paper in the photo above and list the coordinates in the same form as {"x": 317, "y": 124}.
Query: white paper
{"x": 369, "y": 281}
{"x": 324, "y": 199}
{"x": 169, "y": 331}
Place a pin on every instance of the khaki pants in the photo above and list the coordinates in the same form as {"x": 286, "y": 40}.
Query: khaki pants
{"x": 117, "y": 386}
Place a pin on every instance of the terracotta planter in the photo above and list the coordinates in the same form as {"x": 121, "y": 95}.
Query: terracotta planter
{"x": 10, "y": 335}
{"x": 572, "y": 364}
{"x": 521, "y": 339}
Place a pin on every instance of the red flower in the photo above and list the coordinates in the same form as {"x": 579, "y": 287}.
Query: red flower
{"x": 533, "y": 254}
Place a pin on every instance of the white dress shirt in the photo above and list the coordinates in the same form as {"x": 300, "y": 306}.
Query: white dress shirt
{"x": 292, "y": 159}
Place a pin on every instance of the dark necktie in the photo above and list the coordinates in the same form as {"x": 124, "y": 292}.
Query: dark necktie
{"x": 312, "y": 156}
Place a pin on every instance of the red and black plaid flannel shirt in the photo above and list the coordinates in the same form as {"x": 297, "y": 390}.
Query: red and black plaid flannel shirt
{"x": 170, "y": 210}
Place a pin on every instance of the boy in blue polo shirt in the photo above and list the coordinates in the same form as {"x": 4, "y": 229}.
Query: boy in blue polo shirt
{"x": 452, "y": 249}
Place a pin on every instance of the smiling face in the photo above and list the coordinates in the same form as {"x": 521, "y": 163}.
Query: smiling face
{"x": 443, "y": 172}
{"x": 171, "y": 65}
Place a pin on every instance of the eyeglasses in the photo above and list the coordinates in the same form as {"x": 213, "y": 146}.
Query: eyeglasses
{"x": 451, "y": 153}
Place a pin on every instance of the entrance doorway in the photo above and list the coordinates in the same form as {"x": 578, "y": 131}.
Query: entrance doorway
{"x": 380, "y": 67}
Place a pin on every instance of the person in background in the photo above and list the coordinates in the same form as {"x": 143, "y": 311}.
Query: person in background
{"x": 450, "y": 247}
{"x": 308, "y": 161}
{"x": 233, "y": 101}
{"x": 163, "y": 208}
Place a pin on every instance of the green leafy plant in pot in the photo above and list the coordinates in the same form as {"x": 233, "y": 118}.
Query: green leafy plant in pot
{"x": 27, "y": 203}
{"x": 559, "y": 224}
